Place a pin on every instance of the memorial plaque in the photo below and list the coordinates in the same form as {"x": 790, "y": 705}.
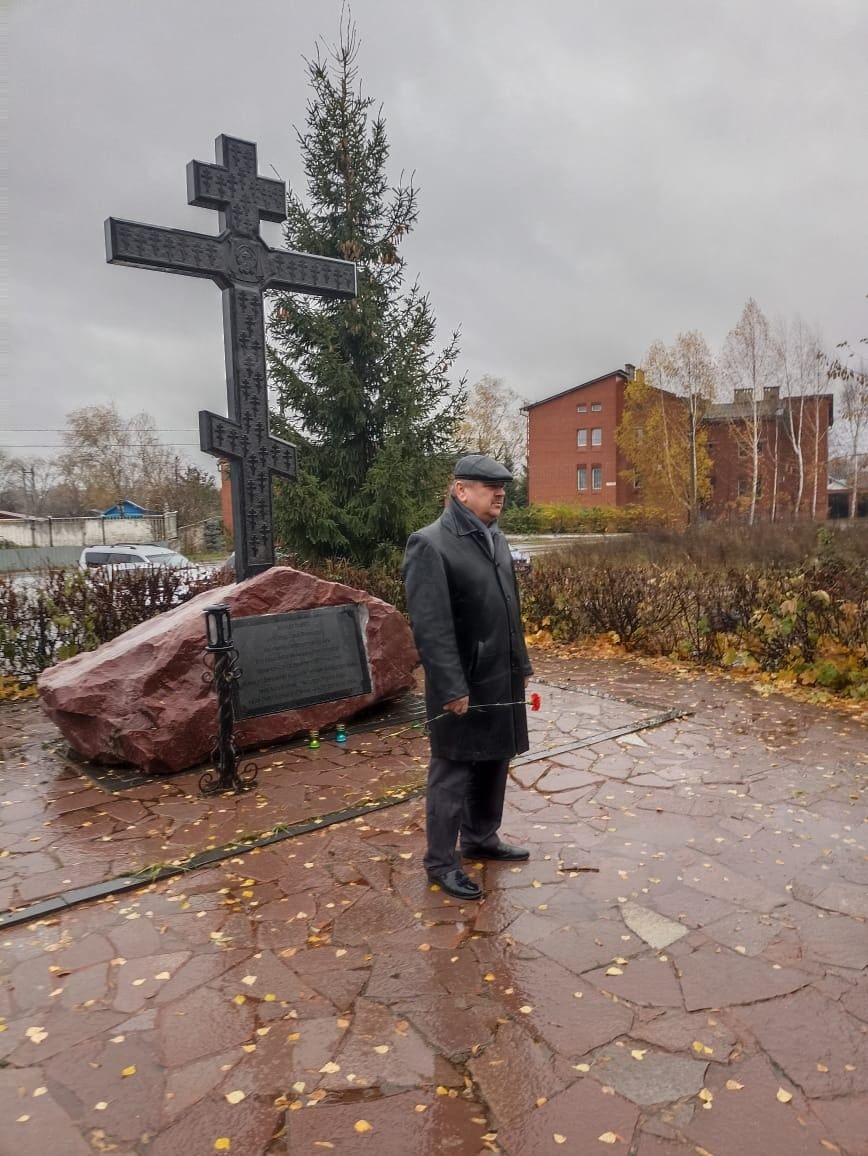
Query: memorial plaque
{"x": 290, "y": 661}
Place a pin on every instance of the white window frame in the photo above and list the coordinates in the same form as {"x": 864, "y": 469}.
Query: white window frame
{"x": 596, "y": 477}
{"x": 581, "y": 438}
{"x": 597, "y": 436}
{"x": 582, "y": 477}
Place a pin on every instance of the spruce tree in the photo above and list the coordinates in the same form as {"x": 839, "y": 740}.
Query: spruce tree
{"x": 359, "y": 386}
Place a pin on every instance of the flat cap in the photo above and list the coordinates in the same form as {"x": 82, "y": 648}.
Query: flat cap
{"x": 480, "y": 468}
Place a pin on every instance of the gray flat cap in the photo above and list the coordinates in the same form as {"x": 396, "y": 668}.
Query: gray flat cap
{"x": 480, "y": 468}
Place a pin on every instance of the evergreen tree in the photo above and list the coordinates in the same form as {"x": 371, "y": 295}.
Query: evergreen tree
{"x": 359, "y": 386}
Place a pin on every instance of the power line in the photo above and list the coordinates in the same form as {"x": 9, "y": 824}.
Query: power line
{"x": 101, "y": 446}
{"x": 66, "y": 429}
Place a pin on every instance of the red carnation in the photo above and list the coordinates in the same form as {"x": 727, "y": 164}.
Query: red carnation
{"x": 535, "y": 701}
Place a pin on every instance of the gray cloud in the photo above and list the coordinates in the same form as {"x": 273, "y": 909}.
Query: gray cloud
{"x": 594, "y": 176}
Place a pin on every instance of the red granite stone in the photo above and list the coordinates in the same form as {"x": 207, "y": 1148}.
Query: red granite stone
{"x": 813, "y": 1040}
{"x": 140, "y": 698}
{"x": 198, "y": 1025}
{"x": 409, "y": 1122}
{"x": 573, "y": 1121}
{"x": 649, "y": 981}
{"x": 716, "y": 977}
{"x": 248, "y": 1126}
{"x": 514, "y": 1072}
{"x": 34, "y": 1126}
{"x": 774, "y": 1127}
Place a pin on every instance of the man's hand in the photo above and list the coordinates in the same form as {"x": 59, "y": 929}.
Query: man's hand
{"x": 458, "y": 705}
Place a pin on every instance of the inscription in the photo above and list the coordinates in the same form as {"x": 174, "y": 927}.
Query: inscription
{"x": 296, "y": 660}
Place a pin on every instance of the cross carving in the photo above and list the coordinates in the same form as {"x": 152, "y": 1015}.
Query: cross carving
{"x": 240, "y": 262}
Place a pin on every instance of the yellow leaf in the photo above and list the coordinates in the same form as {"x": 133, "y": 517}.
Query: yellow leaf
{"x": 614, "y": 971}
{"x": 608, "y": 1138}
{"x": 829, "y": 1146}
{"x": 705, "y": 1095}
{"x": 363, "y": 1126}
{"x": 235, "y": 1097}
{"x": 783, "y": 1095}
{"x": 249, "y": 980}
{"x": 222, "y": 1144}
{"x": 239, "y": 999}
{"x": 733, "y": 1086}
{"x": 558, "y": 1138}
{"x": 638, "y": 1053}
{"x": 822, "y": 1068}
{"x": 424, "y": 947}
{"x": 525, "y": 1009}
{"x": 489, "y": 977}
{"x": 381, "y": 1049}
{"x": 582, "y": 1067}
{"x": 330, "y": 1068}
{"x": 130, "y": 1071}
{"x": 100, "y": 1106}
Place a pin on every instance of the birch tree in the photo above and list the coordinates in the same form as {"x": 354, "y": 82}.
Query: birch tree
{"x": 747, "y": 366}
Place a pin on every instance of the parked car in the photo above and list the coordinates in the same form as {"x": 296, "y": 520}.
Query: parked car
{"x": 130, "y": 556}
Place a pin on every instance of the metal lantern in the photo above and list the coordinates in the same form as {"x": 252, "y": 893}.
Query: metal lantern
{"x": 218, "y": 627}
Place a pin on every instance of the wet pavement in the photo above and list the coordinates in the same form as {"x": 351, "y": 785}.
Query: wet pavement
{"x": 682, "y": 966}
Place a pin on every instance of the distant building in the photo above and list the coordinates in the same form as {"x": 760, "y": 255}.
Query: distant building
{"x": 573, "y": 457}
{"x": 127, "y": 509}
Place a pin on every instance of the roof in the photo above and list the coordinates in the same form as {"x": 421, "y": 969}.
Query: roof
{"x": 574, "y": 388}
{"x": 767, "y": 407}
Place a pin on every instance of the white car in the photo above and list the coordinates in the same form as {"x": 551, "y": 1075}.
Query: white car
{"x": 130, "y": 557}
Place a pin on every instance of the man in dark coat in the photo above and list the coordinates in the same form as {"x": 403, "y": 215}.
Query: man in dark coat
{"x": 466, "y": 620}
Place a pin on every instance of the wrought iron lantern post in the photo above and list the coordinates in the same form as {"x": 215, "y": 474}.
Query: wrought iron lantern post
{"x": 221, "y": 661}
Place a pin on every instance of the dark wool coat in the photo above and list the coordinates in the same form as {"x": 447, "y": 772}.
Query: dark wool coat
{"x": 466, "y": 620}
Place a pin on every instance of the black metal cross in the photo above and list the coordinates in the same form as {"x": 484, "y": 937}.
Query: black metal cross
{"x": 244, "y": 267}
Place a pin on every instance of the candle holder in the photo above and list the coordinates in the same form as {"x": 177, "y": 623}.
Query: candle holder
{"x": 340, "y": 733}
{"x": 313, "y": 739}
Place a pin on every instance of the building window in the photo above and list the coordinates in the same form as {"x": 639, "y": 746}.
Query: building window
{"x": 637, "y": 482}
{"x": 596, "y": 477}
{"x": 582, "y": 477}
{"x": 581, "y": 437}
{"x": 597, "y": 407}
{"x": 745, "y": 449}
{"x": 581, "y": 409}
{"x": 596, "y": 436}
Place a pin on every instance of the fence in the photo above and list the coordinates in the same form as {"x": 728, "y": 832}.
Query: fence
{"x": 48, "y": 532}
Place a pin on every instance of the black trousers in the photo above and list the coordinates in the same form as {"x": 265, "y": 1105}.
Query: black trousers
{"x": 463, "y": 798}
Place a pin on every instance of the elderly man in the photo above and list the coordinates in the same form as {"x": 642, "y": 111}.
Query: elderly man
{"x": 464, "y": 610}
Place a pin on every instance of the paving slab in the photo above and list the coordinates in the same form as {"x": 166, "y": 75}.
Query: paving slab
{"x": 319, "y": 993}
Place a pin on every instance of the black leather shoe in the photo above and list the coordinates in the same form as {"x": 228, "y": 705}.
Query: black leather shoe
{"x": 457, "y": 884}
{"x": 502, "y": 852}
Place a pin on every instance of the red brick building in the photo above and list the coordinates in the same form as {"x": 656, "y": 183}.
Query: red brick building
{"x": 573, "y": 457}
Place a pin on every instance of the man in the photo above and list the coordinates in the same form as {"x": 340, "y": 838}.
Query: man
{"x": 466, "y": 620}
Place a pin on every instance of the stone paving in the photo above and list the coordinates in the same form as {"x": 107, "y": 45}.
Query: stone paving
{"x": 682, "y": 966}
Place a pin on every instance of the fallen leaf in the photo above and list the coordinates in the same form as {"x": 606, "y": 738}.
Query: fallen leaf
{"x": 249, "y": 979}
{"x": 222, "y": 1144}
{"x": 525, "y": 1009}
{"x": 101, "y": 1106}
{"x": 236, "y": 1097}
{"x": 783, "y": 1095}
{"x": 638, "y": 1053}
{"x": 329, "y": 1068}
{"x": 609, "y": 1138}
{"x": 558, "y": 1138}
{"x": 36, "y": 1035}
{"x": 381, "y": 1049}
{"x": 130, "y": 1071}
{"x": 822, "y": 1068}
{"x": 733, "y": 1086}
{"x": 362, "y": 1126}
{"x": 614, "y": 971}
{"x": 705, "y": 1095}
{"x": 582, "y": 1067}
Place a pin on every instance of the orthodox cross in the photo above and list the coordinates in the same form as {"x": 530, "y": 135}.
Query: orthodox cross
{"x": 244, "y": 267}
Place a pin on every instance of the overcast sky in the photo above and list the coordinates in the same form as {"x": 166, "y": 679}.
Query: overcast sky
{"x": 594, "y": 175}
